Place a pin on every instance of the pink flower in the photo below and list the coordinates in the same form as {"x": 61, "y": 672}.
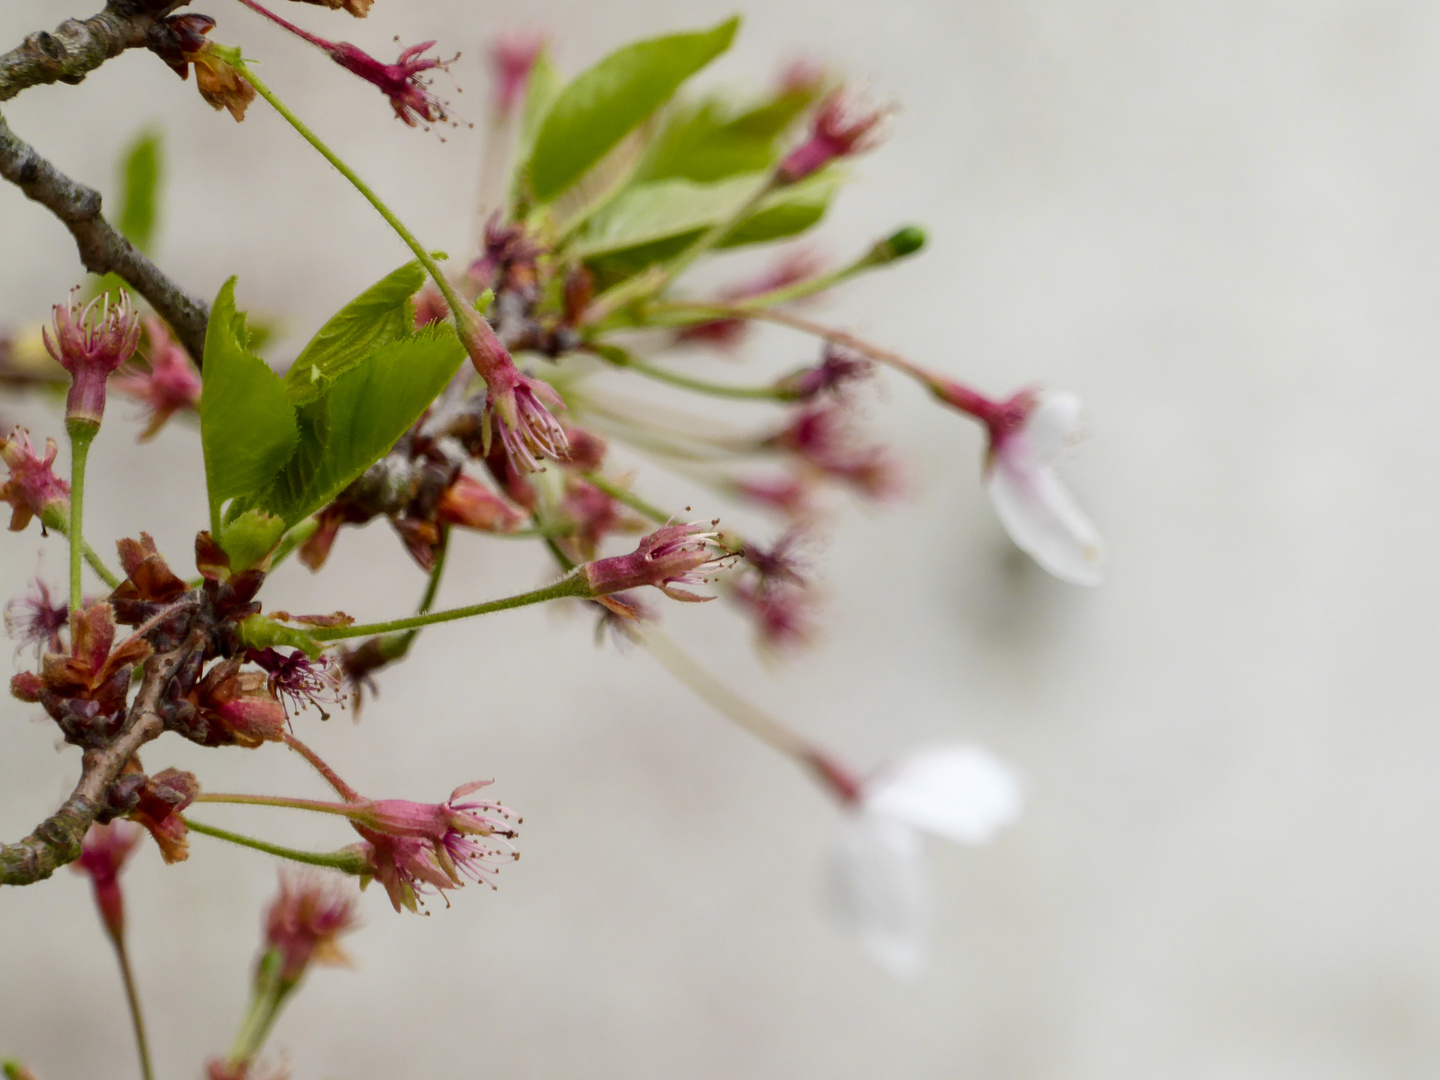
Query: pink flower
{"x": 513, "y": 405}
{"x": 957, "y": 792}
{"x": 670, "y": 556}
{"x": 103, "y": 854}
{"x": 823, "y": 437}
{"x": 513, "y": 56}
{"x": 837, "y": 370}
{"x": 414, "y": 848}
{"x": 37, "y": 619}
{"x": 1028, "y": 431}
{"x": 90, "y": 342}
{"x": 400, "y": 82}
{"x": 171, "y": 384}
{"x": 296, "y": 680}
{"x": 841, "y": 128}
{"x": 33, "y": 489}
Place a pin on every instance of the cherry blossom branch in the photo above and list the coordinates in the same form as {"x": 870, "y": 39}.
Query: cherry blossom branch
{"x": 102, "y": 249}
{"x": 56, "y": 840}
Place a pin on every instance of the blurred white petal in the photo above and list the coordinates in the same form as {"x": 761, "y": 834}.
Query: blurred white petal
{"x": 963, "y": 793}
{"x": 1041, "y": 516}
{"x": 1053, "y": 425}
{"x": 877, "y": 880}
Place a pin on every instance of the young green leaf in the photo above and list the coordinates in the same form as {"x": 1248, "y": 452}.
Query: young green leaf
{"x": 708, "y": 142}
{"x": 608, "y": 101}
{"x": 650, "y": 223}
{"x": 365, "y": 411}
{"x": 141, "y": 176}
{"x": 379, "y": 315}
{"x": 247, "y": 425}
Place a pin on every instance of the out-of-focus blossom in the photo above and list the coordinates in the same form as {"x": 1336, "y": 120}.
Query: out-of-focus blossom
{"x": 304, "y": 923}
{"x": 1028, "y": 432}
{"x": 824, "y": 438}
{"x": 37, "y": 619}
{"x": 797, "y": 264}
{"x": 960, "y": 793}
{"x": 103, "y": 854}
{"x": 842, "y": 128}
{"x": 839, "y": 369}
{"x": 513, "y": 57}
{"x": 170, "y": 385}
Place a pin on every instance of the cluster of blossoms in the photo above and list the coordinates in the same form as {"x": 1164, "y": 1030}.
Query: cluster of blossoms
{"x": 528, "y": 440}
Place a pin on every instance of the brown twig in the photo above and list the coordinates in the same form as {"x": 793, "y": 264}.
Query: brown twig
{"x": 79, "y": 46}
{"x": 56, "y": 840}
{"x": 102, "y": 249}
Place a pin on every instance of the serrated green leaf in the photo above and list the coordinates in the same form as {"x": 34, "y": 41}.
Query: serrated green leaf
{"x": 247, "y": 425}
{"x": 379, "y": 315}
{"x": 141, "y": 175}
{"x": 364, "y": 413}
{"x": 609, "y": 100}
{"x": 654, "y": 221}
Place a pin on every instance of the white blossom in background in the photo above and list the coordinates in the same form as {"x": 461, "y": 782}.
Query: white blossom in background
{"x": 877, "y": 873}
{"x": 1036, "y": 509}
{"x": 1028, "y": 432}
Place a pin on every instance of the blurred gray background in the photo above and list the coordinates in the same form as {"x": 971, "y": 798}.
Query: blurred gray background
{"x": 1217, "y": 223}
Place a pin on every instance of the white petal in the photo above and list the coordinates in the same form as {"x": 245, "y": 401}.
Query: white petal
{"x": 1041, "y": 516}
{"x": 1053, "y": 424}
{"x": 963, "y": 793}
{"x": 877, "y": 883}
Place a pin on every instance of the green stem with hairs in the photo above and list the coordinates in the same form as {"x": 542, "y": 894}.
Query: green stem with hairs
{"x": 458, "y": 307}
{"x": 53, "y": 519}
{"x": 622, "y": 358}
{"x": 82, "y": 434}
{"x": 569, "y": 586}
{"x": 344, "y": 860}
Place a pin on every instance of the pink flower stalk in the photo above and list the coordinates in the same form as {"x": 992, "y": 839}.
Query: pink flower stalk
{"x": 33, "y": 489}
{"x": 171, "y": 384}
{"x": 670, "y": 556}
{"x": 513, "y": 405}
{"x": 842, "y": 128}
{"x": 90, "y": 342}
{"x": 305, "y": 922}
{"x": 1028, "y": 431}
{"x": 798, "y": 264}
{"x": 414, "y": 848}
{"x": 103, "y": 854}
{"x": 37, "y": 619}
{"x": 513, "y": 57}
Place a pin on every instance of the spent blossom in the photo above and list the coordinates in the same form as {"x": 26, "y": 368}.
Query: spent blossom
{"x": 1027, "y": 432}
{"x": 842, "y": 127}
{"x": 409, "y": 95}
{"x": 297, "y": 681}
{"x": 513, "y": 405}
{"x": 32, "y": 488}
{"x": 90, "y": 342}
{"x": 671, "y": 556}
{"x": 957, "y": 792}
{"x": 171, "y": 383}
{"x": 304, "y": 923}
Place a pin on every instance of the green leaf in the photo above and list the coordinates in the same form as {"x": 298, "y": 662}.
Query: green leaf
{"x": 247, "y": 425}
{"x": 379, "y": 315}
{"x": 362, "y": 416}
{"x": 141, "y": 177}
{"x": 608, "y": 101}
{"x": 654, "y": 221}
{"x": 544, "y": 87}
{"x": 706, "y": 142}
